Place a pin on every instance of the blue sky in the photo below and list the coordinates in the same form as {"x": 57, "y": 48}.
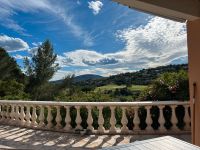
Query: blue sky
{"x": 97, "y": 37}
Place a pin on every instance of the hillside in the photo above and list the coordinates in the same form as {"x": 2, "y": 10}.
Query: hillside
{"x": 142, "y": 77}
{"x": 87, "y": 77}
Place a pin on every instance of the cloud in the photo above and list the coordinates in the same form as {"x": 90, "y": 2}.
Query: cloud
{"x": 95, "y": 6}
{"x": 56, "y": 9}
{"x": 20, "y": 57}
{"x": 12, "y": 44}
{"x": 10, "y": 8}
{"x": 159, "y": 42}
{"x": 104, "y": 61}
{"x": 85, "y": 58}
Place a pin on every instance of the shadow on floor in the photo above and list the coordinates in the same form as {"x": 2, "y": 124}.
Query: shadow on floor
{"x": 21, "y": 138}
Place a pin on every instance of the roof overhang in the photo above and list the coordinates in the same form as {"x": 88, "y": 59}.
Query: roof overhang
{"x": 178, "y": 10}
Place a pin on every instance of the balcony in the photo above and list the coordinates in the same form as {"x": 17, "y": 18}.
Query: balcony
{"x": 29, "y": 124}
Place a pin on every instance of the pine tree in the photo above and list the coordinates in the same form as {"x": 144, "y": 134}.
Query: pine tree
{"x": 41, "y": 68}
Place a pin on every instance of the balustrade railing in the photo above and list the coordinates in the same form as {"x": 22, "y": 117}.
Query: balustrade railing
{"x": 98, "y": 117}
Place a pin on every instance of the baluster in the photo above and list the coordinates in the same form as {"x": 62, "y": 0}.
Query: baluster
{"x": 136, "y": 120}
{"x": 101, "y": 128}
{"x": 22, "y": 116}
{"x": 28, "y": 116}
{"x": 112, "y": 120}
{"x": 187, "y": 118}
{"x": 148, "y": 119}
{"x": 67, "y": 119}
{"x": 90, "y": 119}
{"x": 7, "y": 113}
{"x": 4, "y": 113}
{"x": 161, "y": 119}
{"x": 78, "y": 119}
{"x": 11, "y": 115}
{"x": 58, "y": 118}
{"x": 0, "y": 112}
{"x": 174, "y": 119}
{"x": 124, "y": 121}
{"x": 17, "y": 115}
{"x": 34, "y": 117}
{"x": 41, "y": 117}
{"x": 49, "y": 118}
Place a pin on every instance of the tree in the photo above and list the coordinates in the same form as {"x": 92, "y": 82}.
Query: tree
{"x": 41, "y": 68}
{"x": 9, "y": 68}
{"x": 169, "y": 86}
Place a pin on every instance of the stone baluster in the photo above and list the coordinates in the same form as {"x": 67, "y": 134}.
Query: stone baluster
{"x": 12, "y": 114}
{"x": 41, "y": 117}
{"x": 136, "y": 120}
{"x": 101, "y": 128}
{"x": 187, "y": 118}
{"x": 0, "y": 112}
{"x": 148, "y": 119}
{"x": 4, "y": 113}
{"x": 28, "y": 116}
{"x": 124, "y": 121}
{"x": 174, "y": 119}
{"x": 17, "y": 115}
{"x": 7, "y": 113}
{"x": 34, "y": 117}
{"x": 90, "y": 119}
{"x": 67, "y": 119}
{"x": 22, "y": 116}
{"x": 58, "y": 118}
{"x": 49, "y": 118}
{"x": 78, "y": 118}
{"x": 161, "y": 119}
{"x": 112, "y": 120}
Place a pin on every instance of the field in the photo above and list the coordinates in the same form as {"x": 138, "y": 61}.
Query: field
{"x": 114, "y": 86}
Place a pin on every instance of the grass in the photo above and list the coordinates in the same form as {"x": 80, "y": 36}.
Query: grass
{"x": 138, "y": 87}
{"x": 114, "y": 86}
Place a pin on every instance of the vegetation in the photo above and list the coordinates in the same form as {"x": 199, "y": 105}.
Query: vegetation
{"x": 9, "y": 70}
{"x": 161, "y": 83}
{"x": 157, "y": 84}
{"x": 40, "y": 70}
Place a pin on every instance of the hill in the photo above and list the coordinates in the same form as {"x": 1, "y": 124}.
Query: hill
{"x": 142, "y": 77}
{"x": 87, "y": 77}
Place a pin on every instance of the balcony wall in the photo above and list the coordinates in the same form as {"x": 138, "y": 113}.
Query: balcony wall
{"x": 166, "y": 117}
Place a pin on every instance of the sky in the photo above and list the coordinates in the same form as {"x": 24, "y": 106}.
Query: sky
{"x": 91, "y": 36}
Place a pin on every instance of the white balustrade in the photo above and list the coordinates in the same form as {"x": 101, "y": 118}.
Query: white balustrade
{"x": 136, "y": 120}
{"x": 124, "y": 121}
{"x": 112, "y": 120}
{"x": 49, "y": 118}
{"x": 41, "y": 117}
{"x": 58, "y": 118}
{"x": 101, "y": 128}
{"x": 67, "y": 119}
{"x": 148, "y": 119}
{"x": 174, "y": 120}
{"x": 90, "y": 119}
{"x": 78, "y": 119}
{"x": 32, "y": 114}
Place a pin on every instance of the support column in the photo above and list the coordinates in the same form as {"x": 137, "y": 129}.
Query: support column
{"x": 193, "y": 37}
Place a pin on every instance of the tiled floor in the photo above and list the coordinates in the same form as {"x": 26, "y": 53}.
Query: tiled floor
{"x": 22, "y": 138}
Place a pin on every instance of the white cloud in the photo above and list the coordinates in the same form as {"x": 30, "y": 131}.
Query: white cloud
{"x": 12, "y": 44}
{"x": 85, "y": 58}
{"x": 54, "y": 8}
{"x": 17, "y": 56}
{"x": 159, "y": 42}
{"x": 95, "y": 6}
